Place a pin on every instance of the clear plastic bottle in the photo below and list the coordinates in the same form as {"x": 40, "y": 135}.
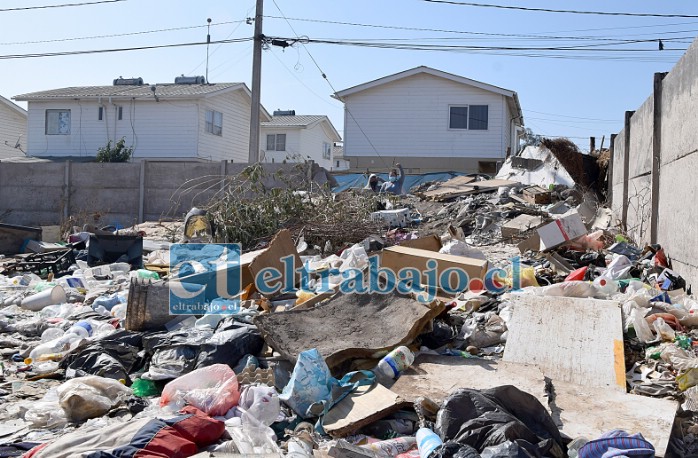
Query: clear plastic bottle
{"x": 52, "y": 334}
{"x": 427, "y": 442}
{"x": 82, "y": 329}
{"x": 393, "y": 363}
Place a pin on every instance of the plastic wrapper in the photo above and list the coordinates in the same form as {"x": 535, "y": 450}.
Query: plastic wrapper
{"x": 663, "y": 330}
{"x": 570, "y": 289}
{"x": 214, "y": 390}
{"x": 90, "y": 397}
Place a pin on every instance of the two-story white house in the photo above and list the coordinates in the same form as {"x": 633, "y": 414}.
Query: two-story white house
{"x": 185, "y": 120}
{"x": 429, "y": 120}
{"x": 298, "y": 138}
{"x": 13, "y": 129}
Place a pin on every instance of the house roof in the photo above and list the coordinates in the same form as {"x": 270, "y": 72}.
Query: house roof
{"x": 301, "y": 122}
{"x": 143, "y": 92}
{"x": 512, "y": 96}
{"x": 13, "y": 106}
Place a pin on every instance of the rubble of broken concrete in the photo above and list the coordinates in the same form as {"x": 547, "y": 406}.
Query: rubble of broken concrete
{"x": 566, "y": 339}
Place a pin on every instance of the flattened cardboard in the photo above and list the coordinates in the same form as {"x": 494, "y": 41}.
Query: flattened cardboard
{"x": 360, "y": 408}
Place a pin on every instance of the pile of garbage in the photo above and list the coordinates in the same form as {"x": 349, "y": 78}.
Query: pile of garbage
{"x": 488, "y": 318}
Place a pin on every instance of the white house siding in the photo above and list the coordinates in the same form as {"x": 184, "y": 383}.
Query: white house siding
{"x": 507, "y": 129}
{"x": 312, "y": 139}
{"x": 165, "y": 129}
{"x": 233, "y": 144}
{"x": 410, "y": 118}
{"x": 293, "y": 143}
{"x": 12, "y": 125}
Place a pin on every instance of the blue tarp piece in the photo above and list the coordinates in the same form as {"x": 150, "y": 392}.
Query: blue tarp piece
{"x": 359, "y": 180}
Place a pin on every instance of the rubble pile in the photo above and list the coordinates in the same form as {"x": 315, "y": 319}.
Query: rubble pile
{"x": 477, "y": 317}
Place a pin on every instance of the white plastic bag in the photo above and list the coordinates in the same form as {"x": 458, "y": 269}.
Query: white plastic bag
{"x": 260, "y": 402}
{"x": 213, "y": 389}
{"x": 90, "y": 397}
{"x": 460, "y": 248}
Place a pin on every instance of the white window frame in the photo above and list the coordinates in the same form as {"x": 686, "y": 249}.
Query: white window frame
{"x": 467, "y": 121}
{"x": 326, "y": 150}
{"x": 61, "y": 124}
{"x": 214, "y": 122}
{"x": 273, "y": 142}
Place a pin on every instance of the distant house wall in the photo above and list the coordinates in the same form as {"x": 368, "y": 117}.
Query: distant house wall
{"x": 13, "y": 129}
{"x": 312, "y": 140}
{"x": 233, "y": 144}
{"x": 409, "y": 118}
{"x": 155, "y": 130}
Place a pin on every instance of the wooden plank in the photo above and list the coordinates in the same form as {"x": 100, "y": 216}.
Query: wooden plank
{"x": 574, "y": 407}
{"x": 451, "y": 185}
{"x": 360, "y": 408}
{"x": 572, "y": 340}
{"x": 435, "y": 377}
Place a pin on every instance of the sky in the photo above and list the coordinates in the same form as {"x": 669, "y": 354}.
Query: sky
{"x": 599, "y": 66}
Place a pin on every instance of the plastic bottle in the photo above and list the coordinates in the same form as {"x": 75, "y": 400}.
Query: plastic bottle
{"x": 606, "y": 286}
{"x": 52, "y": 334}
{"x": 427, "y": 442}
{"x": 82, "y": 329}
{"x": 393, "y": 363}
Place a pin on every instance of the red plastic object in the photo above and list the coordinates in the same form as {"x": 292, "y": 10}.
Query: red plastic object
{"x": 578, "y": 274}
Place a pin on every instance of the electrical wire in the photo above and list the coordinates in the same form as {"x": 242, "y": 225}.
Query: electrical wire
{"x": 103, "y": 51}
{"x": 64, "y": 5}
{"x": 487, "y": 34}
{"x": 547, "y": 10}
{"x": 334, "y": 91}
{"x": 115, "y": 35}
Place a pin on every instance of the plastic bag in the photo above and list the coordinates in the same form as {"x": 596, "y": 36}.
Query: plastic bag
{"x": 570, "y": 289}
{"x": 310, "y": 382}
{"x": 213, "y": 389}
{"x": 90, "y": 397}
{"x": 47, "y": 412}
{"x": 460, "y": 248}
{"x": 663, "y": 330}
{"x": 260, "y": 402}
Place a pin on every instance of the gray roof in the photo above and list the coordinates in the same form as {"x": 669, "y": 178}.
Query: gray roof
{"x": 293, "y": 121}
{"x": 144, "y": 91}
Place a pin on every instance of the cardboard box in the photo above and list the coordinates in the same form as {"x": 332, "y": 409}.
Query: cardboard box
{"x": 431, "y": 243}
{"x": 567, "y": 227}
{"x": 536, "y": 195}
{"x": 399, "y": 257}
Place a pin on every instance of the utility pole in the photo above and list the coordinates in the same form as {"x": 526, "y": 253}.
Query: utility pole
{"x": 253, "y": 156}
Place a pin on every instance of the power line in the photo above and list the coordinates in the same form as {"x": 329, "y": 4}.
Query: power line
{"x": 102, "y": 51}
{"x": 487, "y": 34}
{"x": 64, "y": 5}
{"x": 547, "y": 10}
{"x": 334, "y": 91}
{"x": 115, "y": 35}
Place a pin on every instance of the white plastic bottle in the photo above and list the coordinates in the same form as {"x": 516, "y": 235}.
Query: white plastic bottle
{"x": 427, "y": 442}
{"x": 393, "y": 363}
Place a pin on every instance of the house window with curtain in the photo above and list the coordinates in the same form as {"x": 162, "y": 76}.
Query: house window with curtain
{"x": 469, "y": 117}
{"x": 276, "y": 142}
{"x": 57, "y": 122}
{"x": 214, "y": 122}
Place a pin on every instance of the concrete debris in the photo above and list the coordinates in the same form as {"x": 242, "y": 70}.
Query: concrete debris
{"x": 351, "y": 325}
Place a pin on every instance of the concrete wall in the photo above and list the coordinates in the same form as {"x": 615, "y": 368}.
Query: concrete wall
{"x": 656, "y": 192}
{"x": 46, "y": 193}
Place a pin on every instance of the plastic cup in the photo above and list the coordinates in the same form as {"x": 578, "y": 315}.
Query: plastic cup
{"x": 38, "y": 301}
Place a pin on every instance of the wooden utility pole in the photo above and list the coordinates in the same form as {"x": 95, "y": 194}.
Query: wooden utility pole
{"x": 253, "y": 156}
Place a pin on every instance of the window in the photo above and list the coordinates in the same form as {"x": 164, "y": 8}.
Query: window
{"x": 326, "y": 150}
{"x": 478, "y": 117}
{"x": 214, "y": 122}
{"x": 120, "y": 113}
{"x": 471, "y": 117}
{"x": 57, "y": 122}
{"x": 100, "y": 113}
{"x": 459, "y": 118}
{"x": 276, "y": 142}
